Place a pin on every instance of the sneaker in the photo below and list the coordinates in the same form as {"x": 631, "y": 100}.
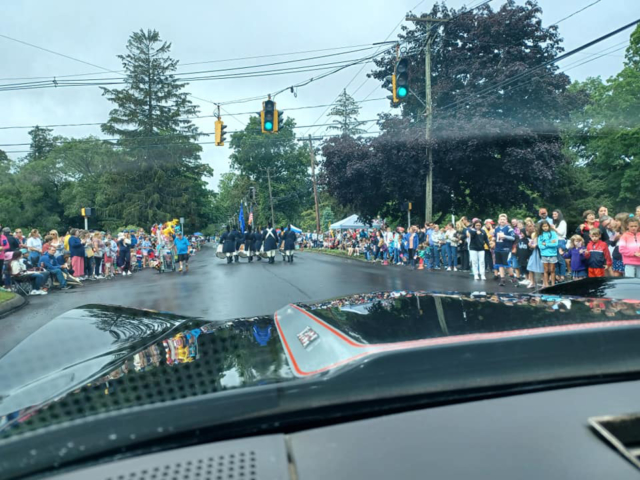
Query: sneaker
{"x": 180, "y": 269}
{"x": 66, "y": 287}
{"x": 483, "y": 277}
{"x": 124, "y": 274}
{"x": 128, "y": 273}
{"x": 476, "y": 277}
{"x": 455, "y": 269}
{"x": 524, "y": 282}
{"x": 100, "y": 277}
{"x": 501, "y": 284}
{"x": 448, "y": 269}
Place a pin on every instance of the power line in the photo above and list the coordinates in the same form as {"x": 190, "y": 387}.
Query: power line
{"x": 576, "y": 12}
{"x": 90, "y": 124}
{"x": 201, "y": 62}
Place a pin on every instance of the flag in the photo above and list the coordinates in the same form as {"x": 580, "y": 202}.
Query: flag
{"x": 241, "y": 218}
{"x": 251, "y": 215}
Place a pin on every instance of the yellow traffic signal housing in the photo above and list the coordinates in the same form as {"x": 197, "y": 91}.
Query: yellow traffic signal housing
{"x": 220, "y": 133}
{"x": 393, "y": 88}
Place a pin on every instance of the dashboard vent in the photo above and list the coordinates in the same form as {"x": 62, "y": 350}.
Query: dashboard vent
{"x": 622, "y": 432}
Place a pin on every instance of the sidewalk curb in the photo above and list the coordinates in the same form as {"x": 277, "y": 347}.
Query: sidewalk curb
{"x": 12, "y": 305}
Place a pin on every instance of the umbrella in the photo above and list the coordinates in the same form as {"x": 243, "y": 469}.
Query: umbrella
{"x": 296, "y": 229}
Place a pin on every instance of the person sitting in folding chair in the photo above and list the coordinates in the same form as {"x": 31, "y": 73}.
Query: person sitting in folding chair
{"x": 50, "y": 264}
{"x": 20, "y": 275}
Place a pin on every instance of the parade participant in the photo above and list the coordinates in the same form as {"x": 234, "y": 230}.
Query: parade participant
{"x": 257, "y": 243}
{"x": 228, "y": 242}
{"x": 249, "y": 240}
{"x": 289, "y": 243}
{"x": 182, "y": 248}
{"x": 281, "y": 236}
{"x": 270, "y": 242}
{"x": 236, "y": 238}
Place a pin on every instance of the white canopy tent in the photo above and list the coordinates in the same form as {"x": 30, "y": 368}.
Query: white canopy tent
{"x": 353, "y": 222}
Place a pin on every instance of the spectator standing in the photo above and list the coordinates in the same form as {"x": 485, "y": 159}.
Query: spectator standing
{"x": 488, "y": 249}
{"x": 590, "y": 222}
{"x": 89, "y": 262}
{"x": 76, "y": 252}
{"x": 523, "y": 252}
{"x": 463, "y": 226}
{"x": 124, "y": 252}
{"x": 451, "y": 247}
{"x": 110, "y": 253}
{"x": 98, "y": 254}
{"x": 560, "y": 227}
{"x": 602, "y": 210}
{"x": 504, "y": 238}
{"x": 439, "y": 240}
{"x": 57, "y": 242}
{"x": 4, "y": 247}
{"x": 544, "y": 216}
{"x": 146, "y": 247}
{"x": 577, "y": 253}
{"x": 477, "y": 241}
{"x": 599, "y": 257}
{"x": 614, "y": 233}
{"x": 22, "y": 241}
{"x": 629, "y": 246}
{"x": 548, "y": 245}
{"x": 412, "y": 246}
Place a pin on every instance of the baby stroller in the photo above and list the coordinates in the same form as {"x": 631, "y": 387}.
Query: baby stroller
{"x": 166, "y": 262}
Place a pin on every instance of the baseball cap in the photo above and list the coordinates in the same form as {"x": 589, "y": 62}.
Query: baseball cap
{"x": 490, "y": 221}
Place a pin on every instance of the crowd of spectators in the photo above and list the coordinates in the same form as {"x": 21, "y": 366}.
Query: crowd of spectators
{"x": 63, "y": 261}
{"x": 522, "y": 251}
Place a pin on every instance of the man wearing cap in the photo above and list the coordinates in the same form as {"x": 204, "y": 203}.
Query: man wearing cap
{"x": 182, "y": 248}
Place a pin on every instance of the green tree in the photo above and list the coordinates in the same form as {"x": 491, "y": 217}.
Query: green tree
{"x": 162, "y": 175}
{"x": 606, "y": 134}
{"x": 257, "y": 156}
{"x": 42, "y": 142}
{"x": 346, "y": 110}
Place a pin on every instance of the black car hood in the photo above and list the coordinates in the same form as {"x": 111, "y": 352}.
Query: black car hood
{"x": 97, "y": 359}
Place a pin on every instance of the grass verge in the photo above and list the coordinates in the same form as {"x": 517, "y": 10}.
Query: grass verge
{"x": 6, "y": 296}
{"x": 336, "y": 253}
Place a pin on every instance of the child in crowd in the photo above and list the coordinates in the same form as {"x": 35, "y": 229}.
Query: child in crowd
{"x": 578, "y": 255}
{"x": 422, "y": 252}
{"x": 629, "y": 246}
{"x": 599, "y": 256}
{"x": 139, "y": 258}
{"x": 548, "y": 245}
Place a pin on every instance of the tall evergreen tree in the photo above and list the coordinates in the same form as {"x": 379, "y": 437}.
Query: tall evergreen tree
{"x": 346, "y": 110}
{"x": 163, "y": 176}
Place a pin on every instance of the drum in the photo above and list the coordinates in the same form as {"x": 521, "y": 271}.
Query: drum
{"x": 219, "y": 253}
{"x": 242, "y": 253}
{"x": 263, "y": 254}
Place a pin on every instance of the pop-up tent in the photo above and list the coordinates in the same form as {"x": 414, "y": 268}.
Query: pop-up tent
{"x": 353, "y": 222}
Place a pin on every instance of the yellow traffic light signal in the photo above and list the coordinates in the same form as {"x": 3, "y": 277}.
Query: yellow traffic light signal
{"x": 220, "y": 133}
{"x": 82, "y": 212}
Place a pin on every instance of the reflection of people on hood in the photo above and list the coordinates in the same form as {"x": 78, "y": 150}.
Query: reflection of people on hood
{"x": 262, "y": 335}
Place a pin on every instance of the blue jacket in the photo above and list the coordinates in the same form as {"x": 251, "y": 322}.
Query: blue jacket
{"x": 50, "y": 262}
{"x": 551, "y": 240}
{"x": 76, "y": 248}
{"x": 182, "y": 245}
{"x": 509, "y": 237}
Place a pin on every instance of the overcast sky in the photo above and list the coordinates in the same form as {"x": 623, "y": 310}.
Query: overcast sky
{"x": 206, "y": 30}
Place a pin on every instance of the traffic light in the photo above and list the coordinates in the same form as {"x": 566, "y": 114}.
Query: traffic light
{"x": 278, "y": 120}
{"x": 85, "y": 212}
{"x": 401, "y": 87}
{"x": 399, "y": 81}
{"x": 220, "y": 133}
{"x": 268, "y": 116}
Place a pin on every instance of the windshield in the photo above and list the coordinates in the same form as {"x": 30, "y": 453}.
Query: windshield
{"x": 229, "y": 197}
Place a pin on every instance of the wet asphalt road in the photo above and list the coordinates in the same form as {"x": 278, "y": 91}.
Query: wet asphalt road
{"x": 217, "y": 291}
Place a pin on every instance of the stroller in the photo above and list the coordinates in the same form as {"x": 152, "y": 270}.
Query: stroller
{"x": 165, "y": 258}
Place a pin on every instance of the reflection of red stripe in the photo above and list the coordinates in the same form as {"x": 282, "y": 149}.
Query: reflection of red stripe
{"x": 337, "y": 333}
{"x": 295, "y": 364}
{"x": 430, "y": 342}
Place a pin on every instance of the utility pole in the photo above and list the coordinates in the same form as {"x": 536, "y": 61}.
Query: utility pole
{"x": 315, "y": 185}
{"x": 273, "y": 222}
{"x": 428, "y": 207}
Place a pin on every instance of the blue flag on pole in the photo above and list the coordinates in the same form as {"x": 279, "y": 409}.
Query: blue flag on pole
{"x": 241, "y": 219}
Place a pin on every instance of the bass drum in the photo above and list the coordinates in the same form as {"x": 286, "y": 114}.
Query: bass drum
{"x": 263, "y": 254}
{"x": 219, "y": 253}
{"x": 242, "y": 253}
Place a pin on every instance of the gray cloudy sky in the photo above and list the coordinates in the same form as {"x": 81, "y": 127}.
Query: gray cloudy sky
{"x": 214, "y": 30}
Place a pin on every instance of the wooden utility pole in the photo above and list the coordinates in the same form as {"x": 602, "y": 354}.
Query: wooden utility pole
{"x": 312, "y": 156}
{"x": 273, "y": 221}
{"x": 428, "y": 207}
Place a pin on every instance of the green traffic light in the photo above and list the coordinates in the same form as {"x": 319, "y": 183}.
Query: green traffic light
{"x": 402, "y": 92}
{"x": 268, "y": 126}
